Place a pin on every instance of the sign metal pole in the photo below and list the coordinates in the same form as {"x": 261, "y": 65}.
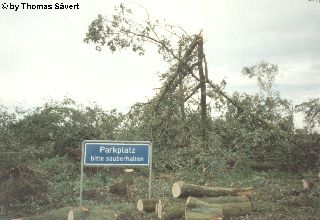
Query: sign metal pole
{"x": 117, "y": 147}
{"x": 150, "y": 171}
{"x": 81, "y": 177}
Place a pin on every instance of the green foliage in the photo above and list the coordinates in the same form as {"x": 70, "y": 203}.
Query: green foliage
{"x": 57, "y": 127}
{"x": 306, "y": 150}
{"x": 265, "y": 74}
{"x": 241, "y": 133}
{"x": 120, "y": 31}
{"x": 311, "y": 111}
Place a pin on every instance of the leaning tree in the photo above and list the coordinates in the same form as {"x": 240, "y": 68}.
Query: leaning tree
{"x": 183, "y": 52}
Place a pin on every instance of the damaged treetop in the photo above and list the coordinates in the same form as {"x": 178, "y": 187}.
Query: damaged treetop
{"x": 184, "y": 53}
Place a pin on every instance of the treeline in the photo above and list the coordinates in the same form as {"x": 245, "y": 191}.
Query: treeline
{"x": 58, "y": 127}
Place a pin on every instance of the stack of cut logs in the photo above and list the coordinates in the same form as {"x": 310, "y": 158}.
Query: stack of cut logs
{"x": 201, "y": 203}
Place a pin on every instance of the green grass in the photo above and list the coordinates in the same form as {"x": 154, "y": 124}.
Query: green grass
{"x": 278, "y": 194}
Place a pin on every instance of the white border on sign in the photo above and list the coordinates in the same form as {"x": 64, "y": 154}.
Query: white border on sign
{"x": 100, "y": 165}
{"x": 117, "y": 143}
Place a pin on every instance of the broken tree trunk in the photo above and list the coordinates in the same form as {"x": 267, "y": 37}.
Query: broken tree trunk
{"x": 146, "y": 205}
{"x": 181, "y": 189}
{"x": 203, "y": 88}
{"x": 182, "y": 67}
{"x": 231, "y": 207}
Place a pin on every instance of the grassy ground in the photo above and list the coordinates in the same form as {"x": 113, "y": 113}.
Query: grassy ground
{"x": 279, "y": 195}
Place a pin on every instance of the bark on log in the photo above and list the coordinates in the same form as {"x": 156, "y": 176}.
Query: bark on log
{"x": 204, "y": 213}
{"x": 160, "y": 207}
{"x": 222, "y": 199}
{"x": 146, "y": 205}
{"x": 70, "y": 215}
{"x": 181, "y": 189}
{"x": 169, "y": 205}
{"x": 172, "y": 213}
{"x": 156, "y": 209}
{"x": 231, "y": 207}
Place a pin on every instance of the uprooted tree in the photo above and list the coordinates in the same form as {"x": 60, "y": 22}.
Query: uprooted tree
{"x": 184, "y": 53}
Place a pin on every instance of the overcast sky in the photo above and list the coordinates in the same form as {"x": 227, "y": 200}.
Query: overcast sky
{"x": 42, "y": 54}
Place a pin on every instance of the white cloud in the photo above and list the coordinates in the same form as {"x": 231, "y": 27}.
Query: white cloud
{"x": 42, "y": 53}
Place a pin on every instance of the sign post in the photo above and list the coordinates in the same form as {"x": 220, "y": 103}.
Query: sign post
{"x": 116, "y": 153}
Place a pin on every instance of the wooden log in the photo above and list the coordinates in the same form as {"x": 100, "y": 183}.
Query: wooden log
{"x": 70, "y": 215}
{"x": 307, "y": 185}
{"x": 156, "y": 209}
{"x": 225, "y": 199}
{"x": 146, "y": 205}
{"x": 204, "y": 213}
{"x": 197, "y": 209}
{"x": 172, "y": 213}
{"x": 231, "y": 207}
{"x": 181, "y": 189}
{"x": 160, "y": 207}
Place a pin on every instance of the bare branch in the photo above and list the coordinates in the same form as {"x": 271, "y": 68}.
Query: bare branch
{"x": 192, "y": 92}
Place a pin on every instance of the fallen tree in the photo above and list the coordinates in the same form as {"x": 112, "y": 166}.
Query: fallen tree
{"x": 231, "y": 207}
{"x": 181, "y": 189}
{"x": 171, "y": 213}
{"x": 167, "y": 208}
{"x": 204, "y": 213}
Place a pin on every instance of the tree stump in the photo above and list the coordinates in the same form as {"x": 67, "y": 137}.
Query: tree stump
{"x": 126, "y": 188}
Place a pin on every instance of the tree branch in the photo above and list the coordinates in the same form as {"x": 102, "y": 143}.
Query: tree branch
{"x": 195, "y": 89}
{"x": 217, "y": 89}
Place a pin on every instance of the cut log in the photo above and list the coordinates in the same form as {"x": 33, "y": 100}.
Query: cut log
{"x": 307, "y": 185}
{"x": 156, "y": 209}
{"x": 172, "y": 213}
{"x": 167, "y": 204}
{"x": 70, "y": 215}
{"x": 146, "y": 205}
{"x": 197, "y": 209}
{"x": 160, "y": 207}
{"x": 224, "y": 199}
{"x": 204, "y": 213}
{"x": 181, "y": 189}
{"x": 230, "y": 207}
{"x": 170, "y": 209}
